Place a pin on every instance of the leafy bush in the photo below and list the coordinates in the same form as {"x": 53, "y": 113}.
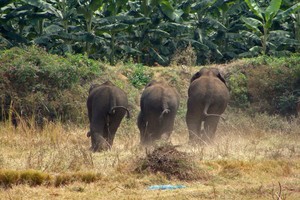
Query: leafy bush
{"x": 238, "y": 89}
{"x": 269, "y": 84}
{"x": 139, "y": 77}
{"x": 35, "y": 83}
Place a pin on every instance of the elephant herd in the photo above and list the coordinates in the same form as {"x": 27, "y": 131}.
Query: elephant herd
{"x": 208, "y": 97}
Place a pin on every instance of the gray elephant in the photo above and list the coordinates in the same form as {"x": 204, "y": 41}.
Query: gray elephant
{"x": 107, "y": 106}
{"x": 159, "y": 103}
{"x": 208, "y": 97}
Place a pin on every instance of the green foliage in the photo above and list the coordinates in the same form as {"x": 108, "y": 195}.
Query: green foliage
{"x": 269, "y": 84}
{"x": 33, "y": 69}
{"x": 286, "y": 103}
{"x": 87, "y": 68}
{"x": 35, "y": 83}
{"x": 238, "y": 89}
{"x": 263, "y": 31}
{"x": 152, "y": 31}
{"x": 139, "y": 76}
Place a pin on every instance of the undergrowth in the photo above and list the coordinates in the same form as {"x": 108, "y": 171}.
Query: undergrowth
{"x": 35, "y": 83}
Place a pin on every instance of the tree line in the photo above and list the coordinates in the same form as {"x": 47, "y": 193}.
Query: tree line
{"x": 152, "y": 31}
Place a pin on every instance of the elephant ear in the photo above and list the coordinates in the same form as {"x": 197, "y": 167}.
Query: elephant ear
{"x": 108, "y": 83}
{"x": 195, "y": 76}
{"x": 151, "y": 83}
{"x": 93, "y": 86}
{"x": 219, "y": 75}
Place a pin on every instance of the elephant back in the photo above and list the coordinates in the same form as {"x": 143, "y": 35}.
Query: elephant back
{"x": 108, "y": 95}
{"x": 208, "y": 89}
{"x": 160, "y": 94}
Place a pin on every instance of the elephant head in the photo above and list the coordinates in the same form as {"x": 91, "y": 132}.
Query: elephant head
{"x": 159, "y": 103}
{"x": 107, "y": 105}
{"x": 208, "y": 97}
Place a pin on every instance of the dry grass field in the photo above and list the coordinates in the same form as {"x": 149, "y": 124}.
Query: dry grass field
{"x": 254, "y": 157}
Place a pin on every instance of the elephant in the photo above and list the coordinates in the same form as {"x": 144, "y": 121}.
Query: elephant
{"x": 159, "y": 103}
{"x": 107, "y": 105}
{"x": 208, "y": 96}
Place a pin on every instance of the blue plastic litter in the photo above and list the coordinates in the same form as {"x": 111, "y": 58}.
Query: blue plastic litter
{"x": 165, "y": 187}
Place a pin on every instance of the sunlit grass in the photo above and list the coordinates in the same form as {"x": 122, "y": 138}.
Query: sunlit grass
{"x": 249, "y": 157}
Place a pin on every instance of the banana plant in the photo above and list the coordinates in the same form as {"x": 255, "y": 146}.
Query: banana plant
{"x": 261, "y": 27}
{"x": 157, "y": 38}
{"x": 12, "y": 23}
{"x": 53, "y": 28}
{"x": 87, "y": 9}
{"x": 206, "y": 26}
{"x": 292, "y": 13}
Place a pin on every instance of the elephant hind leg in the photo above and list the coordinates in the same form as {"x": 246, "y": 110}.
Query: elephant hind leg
{"x": 142, "y": 125}
{"x": 96, "y": 132}
{"x": 112, "y": 126}
{"x": 194, "y": 127}
{"x": 210, "y": 128}
{"x": 167, "y": 127}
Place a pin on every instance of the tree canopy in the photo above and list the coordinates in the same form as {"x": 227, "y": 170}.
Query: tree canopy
{"x": 152, "y": 31}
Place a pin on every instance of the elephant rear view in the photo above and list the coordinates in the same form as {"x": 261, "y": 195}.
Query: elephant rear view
{"x": 107, "y": 105}
{"x": 159, "y": 104}
{"x": 208, "y": 97}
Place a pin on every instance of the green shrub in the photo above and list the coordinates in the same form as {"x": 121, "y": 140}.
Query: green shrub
{"x": 269, "y": 84}
{"x": 35, "y": 83}
{"x": 139, "y": 77}
{"x": 238, "y": 90}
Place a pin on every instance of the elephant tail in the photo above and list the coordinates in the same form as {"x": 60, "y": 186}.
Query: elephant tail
{"x": 165, "y": 111}
{"x": 113, "y": 110}
{"x": 165, "y": 107}
{"x": 210, "y": 115}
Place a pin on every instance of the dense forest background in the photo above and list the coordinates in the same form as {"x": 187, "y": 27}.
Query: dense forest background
{"x": 53, "y": 49}
{"x": 154, "y": 32}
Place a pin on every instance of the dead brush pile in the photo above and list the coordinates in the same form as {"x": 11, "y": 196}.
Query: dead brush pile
{"x": 172, "y": 163}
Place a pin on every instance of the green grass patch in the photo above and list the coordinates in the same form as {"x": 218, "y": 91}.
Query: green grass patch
{"x": 87, "y": 177}
{"x": 9, "y": 178}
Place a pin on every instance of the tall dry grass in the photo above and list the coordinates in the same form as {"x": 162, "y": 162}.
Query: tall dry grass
{"x": 248, "y": 157}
